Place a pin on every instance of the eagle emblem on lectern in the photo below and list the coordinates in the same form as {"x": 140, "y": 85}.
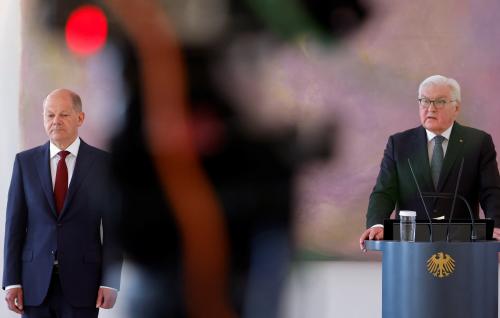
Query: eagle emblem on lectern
{"x": 441, "y": 265}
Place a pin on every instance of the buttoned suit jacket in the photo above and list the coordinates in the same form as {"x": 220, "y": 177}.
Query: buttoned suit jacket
{"x": 396, "y": 189}
{"x": 35, "y": 233}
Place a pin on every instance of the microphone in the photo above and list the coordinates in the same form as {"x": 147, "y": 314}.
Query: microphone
{"x": 442, "y": 195}
{"x": 473, "y": 234}
{"x": 423, "y": 201}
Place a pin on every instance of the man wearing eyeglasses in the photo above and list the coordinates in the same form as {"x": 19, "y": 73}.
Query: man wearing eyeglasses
{"x": 435, "y": 151}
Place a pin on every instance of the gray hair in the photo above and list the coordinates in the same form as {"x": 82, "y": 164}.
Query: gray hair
{"x": 442, "y": 80}
{"x": 77, "y": 101}
{"x": 75, "y": 98}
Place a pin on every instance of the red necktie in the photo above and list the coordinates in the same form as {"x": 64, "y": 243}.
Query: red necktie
{"x": 61, "y": 184}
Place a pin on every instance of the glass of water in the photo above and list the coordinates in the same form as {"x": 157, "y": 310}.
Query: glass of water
{"x": 407, "y": 225}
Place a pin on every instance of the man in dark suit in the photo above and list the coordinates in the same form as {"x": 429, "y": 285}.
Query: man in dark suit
{"x": 436, "y": 150}
{"x": 56, "y": 261}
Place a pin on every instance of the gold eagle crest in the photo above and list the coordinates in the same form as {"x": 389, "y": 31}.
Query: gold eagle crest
{"x": 440, "y": 265}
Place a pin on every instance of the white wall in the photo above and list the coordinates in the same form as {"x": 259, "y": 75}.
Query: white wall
{"x": 10, "y": 62}
{"x": 327, "y": 289}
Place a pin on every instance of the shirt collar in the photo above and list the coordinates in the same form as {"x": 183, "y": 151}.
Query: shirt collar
{"x": 73, "y": 148}
{"x": 446, "y": 134}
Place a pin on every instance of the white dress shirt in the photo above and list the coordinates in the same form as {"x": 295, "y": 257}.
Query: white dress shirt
{"x": 430, "y": 141}
{"x": 70, "y": 159}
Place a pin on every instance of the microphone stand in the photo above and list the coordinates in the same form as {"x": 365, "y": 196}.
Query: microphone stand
{"x": 454, "y": 200}
{"x": 422, "y": 198}
{"x": 442, "y": 195}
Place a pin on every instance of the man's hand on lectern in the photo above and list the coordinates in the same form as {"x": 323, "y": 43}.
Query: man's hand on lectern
{"x": 377, "y": 233}
{"x": 496, "y": 233}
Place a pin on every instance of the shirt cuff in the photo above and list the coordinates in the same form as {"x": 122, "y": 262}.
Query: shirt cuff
{"x": 13, "y": 286}
{"x": 377, "y": 225}
{"x": 104, "y": 287}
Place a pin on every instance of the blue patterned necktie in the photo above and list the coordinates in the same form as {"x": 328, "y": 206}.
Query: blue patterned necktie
{"x": 437, "y": 159}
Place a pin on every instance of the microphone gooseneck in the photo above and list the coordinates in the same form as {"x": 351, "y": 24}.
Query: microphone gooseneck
{"x": 421, "y": 198}
{"x": 454, "y": 196}
{"x": 454, "y": 201}
{"x": 473, "y": 236}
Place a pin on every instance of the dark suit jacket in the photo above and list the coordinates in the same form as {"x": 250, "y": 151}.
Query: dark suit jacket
{"x": 34, "y": 234}
{"x": 479, "y": 184}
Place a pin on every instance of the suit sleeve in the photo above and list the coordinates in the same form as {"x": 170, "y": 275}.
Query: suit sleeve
{"x": 384, "y": 196}
{"x": 15, "y": 228}
{"x": 489, "y": 181}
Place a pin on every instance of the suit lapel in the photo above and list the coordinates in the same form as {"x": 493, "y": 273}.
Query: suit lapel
{"x": 454, "y": 151}
{"x": 83, "y": 163}
{"x": 42, "y": 164}
{"x": 421, "y": 164}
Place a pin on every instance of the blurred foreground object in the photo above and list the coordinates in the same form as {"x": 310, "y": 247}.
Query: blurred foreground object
{"x": 208, "y": 193}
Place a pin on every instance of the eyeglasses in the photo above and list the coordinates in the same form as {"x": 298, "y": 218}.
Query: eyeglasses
{"x": 438, "y": 103}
